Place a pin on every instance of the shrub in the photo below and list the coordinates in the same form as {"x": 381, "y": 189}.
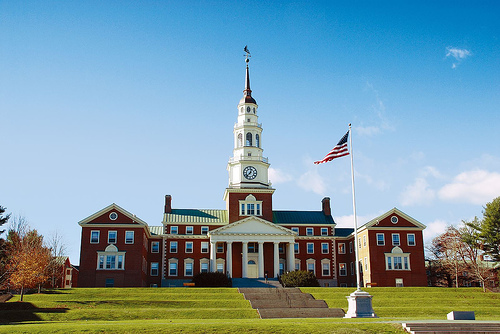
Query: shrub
{"x": 215, "y": 279}
{"x": 299, "y": 278}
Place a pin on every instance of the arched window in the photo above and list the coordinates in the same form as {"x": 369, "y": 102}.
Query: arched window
{"x": 249, "y": 139}
{"x": 257, "y": 140}
{"x": 240, "y": 140}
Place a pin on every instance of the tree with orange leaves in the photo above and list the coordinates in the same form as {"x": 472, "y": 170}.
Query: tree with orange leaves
{"x": 28, "y": 260}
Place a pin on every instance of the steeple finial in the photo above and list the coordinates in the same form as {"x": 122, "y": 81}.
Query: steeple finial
{"x": 247, "y": 93}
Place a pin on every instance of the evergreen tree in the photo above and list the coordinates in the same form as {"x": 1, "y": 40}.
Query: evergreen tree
{"x": 3, "y": 219}
{"x": 490, "y": 229}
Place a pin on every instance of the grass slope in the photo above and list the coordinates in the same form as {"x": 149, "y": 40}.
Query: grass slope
{"x": 419, "y": 303}
{"x": 189, "y": 310}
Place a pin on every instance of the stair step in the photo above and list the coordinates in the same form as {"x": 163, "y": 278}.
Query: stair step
{"x": 452, "y": 327}
{"x": 301, "y": 313}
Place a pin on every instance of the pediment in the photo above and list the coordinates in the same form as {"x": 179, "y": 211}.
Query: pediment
{"x": 394, "y": 218}
{"x": 120, "y": 216}
{"x": 252, "y": 225}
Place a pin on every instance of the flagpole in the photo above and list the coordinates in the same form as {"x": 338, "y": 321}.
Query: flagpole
{"x": 358, "y": 276}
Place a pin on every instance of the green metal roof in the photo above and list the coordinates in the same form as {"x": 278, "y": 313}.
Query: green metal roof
{"x": 197, "y": 216}
{"x": 301, "y": 217}
{"x": 156, "y": 230}
{"x": 343, "y": 231}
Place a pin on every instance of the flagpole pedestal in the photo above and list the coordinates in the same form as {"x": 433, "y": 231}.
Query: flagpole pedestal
{"x": 360, "y": 305}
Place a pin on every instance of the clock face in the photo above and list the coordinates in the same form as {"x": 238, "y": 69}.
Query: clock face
{"x": 250, "y": 172}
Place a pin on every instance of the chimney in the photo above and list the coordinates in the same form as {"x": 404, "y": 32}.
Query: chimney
{"x": 326, "y": 206}
{"x": 168, "y": 204}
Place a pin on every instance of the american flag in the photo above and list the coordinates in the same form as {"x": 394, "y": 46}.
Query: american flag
{"x": 338, "y": 151}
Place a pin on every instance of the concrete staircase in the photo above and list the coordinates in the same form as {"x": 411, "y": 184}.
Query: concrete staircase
{"x": 454, "y": 326}
{"x": 288, "y": 303}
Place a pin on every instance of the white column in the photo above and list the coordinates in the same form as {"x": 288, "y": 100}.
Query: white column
{"x": 244, "y": 262}
{"x": 261, "y": 259}
{"x": 229, "y": 259}
{"x": 212, "y": 256}
{"x": 276, "y": 259}
{"x": 290, "y": 254}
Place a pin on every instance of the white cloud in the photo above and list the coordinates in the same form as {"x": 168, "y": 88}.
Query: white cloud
{"x": 433, "y": 229}
{"x": 476, "y": 187}
{"x": 348, "y": 221}
{"x": 278, "y": 176}
{"x": 458, "y": 54}
{"x": 312, "y": 181}
{"x": 418, "y": 193}
{"x": 377, "y": 183}
{"x": 431, "y": 171}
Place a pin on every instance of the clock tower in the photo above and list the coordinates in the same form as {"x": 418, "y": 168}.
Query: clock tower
{"x": 249, "y": 192}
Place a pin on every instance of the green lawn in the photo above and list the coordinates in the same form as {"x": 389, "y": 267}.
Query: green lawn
{"x": 224, "y": 310}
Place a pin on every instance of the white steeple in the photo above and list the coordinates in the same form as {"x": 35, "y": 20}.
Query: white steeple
{"x": 248, "y": 168}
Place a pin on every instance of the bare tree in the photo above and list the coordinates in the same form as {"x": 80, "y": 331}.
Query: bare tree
{"x": 58, "y": 250}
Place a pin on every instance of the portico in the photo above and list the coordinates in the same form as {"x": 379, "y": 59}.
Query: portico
{"x": 253, "y": 235}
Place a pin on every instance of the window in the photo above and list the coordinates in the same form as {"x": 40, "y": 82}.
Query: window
{"x": 399, "y": 283}
{"x": 350, "y": 247}
{"x": 111, "y": 237}
{"x": 324, "y": 231}
{"x": 204, "y": 247}
{"x": 172, "y": 268}
{"x": 352, "y": 268}
{"x": 395, "y": 239}
{"x": 129, "y": 237}
{"x": 281, "y": 250}
{"x": 380, "y": 239}
{"x": 310, "y": 266}
{"x": 189, "y": 230}
{"x": 94, "y": 237}
{"x": 189, "y": 247}
{"x": 282, "y": 268}
{"x": 364, "y": 241}
{"x": 173, "y": 246}
{"x": 297, "y": 264}
{"x": 341, "y": 248}
{"x": 110, "y": 259}
{"x": 240, "y": 140}
{"x": 174, "y": 229}
{"x": 310, "y": 248}
{"x": 257, "y": 140}
{"x": 411, "y": 239}
{"x": 397, "y": 260}
{"x": 249, "y": 139}
{"x": 110, "y": 282}
{"x": 220, "y": 247}
{"x": 343, "y": 269}
{"x": 309, "y": 231}
{"x": 296, "y": 248}
{"x": 253, "y": 247}
{"x": 296, "y": 230}
{"x": 250, "y": 206}
{"x": 204, "y": 267}
{"x": 366, "y": 264}
{"x": 155, "y": 247}
{"x": 359, "y": 243}
{"x": 154, "y": 268}
{"x": 204, "y": 229}
{"x": 220, "y": 267}
{"x": 188, "y": 268}
{"x": 324, "y": 248}
{"x": 325, "y": 269}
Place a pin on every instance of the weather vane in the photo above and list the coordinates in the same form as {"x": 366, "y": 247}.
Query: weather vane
{"x": 247, "y": 55}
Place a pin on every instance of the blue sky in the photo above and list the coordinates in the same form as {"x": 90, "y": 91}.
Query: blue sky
{"x": 125, "y": 102}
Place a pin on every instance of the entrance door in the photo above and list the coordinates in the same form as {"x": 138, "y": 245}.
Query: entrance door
{"x": 253, "y": 270}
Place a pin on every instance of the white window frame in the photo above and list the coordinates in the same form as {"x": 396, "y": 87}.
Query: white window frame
{"x": 204, "y": 230}
{"x": 399, "y": 239}
{"x": 98, "y": 236}
{"x": 186, "y": 248}
{"x": 344, "y": 265}
{"x": 110, "y": 251}
{"x": 309, "y": 231}
{"x": 310, "y": 251}
{"x": 324, "y": 231}
{"x": 313, "y": 263}
{"x": 380, "y": 242}
{"x": 176, "y": 248}
{"x": 323, "y": 249}
{"x": 189, "y": 230}
{"x": 126, "y": 238}
{"x": 174, "y": 229}
{"x": 204, "y": 263}
{"x": 295, "y": 229}
{"x": 408, "y": 239}
{"x": 364, "y": 241}
{"x": 153, "y": 243}
{"x": 250, "y": 206}
{"x": 351, "y": 247}
{"x": 109, "y": 237}
{"x": 205, "y": 247}
{"x": 296, "y": 248}
{"x": 188, "y": 262}
{"x": 341, "y": 248}
{"x": 327, "y": 263}
{"x": 155, "y": 271}
{"x": 297, "y": 264}
{"x": 172, "y": 262}
{"x": 391, "y": 263}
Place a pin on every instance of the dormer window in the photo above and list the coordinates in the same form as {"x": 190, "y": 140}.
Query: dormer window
{"x": 250, "y": 206}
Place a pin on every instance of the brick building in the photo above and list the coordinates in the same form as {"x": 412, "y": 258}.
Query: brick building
{"x": 248, "y": 238}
